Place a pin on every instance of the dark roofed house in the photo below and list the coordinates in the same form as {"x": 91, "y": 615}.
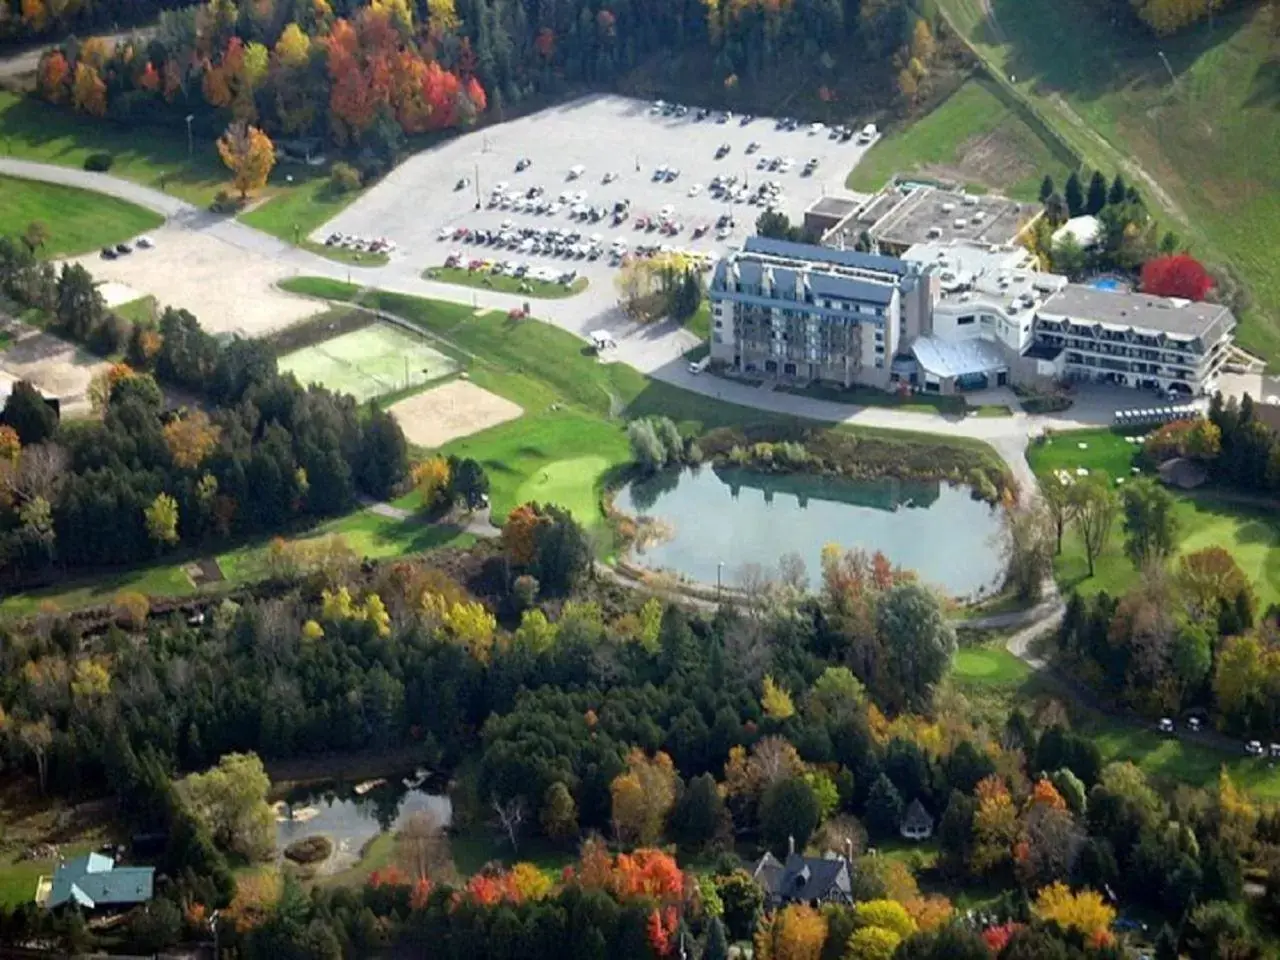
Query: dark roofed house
{"x": 95, "y": 882}
{"x": 804, "y": 879}
{"x": 917, "y": 824}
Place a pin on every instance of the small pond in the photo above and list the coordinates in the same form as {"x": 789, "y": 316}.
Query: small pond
{"x": 736, "y": 516}
{"x": 350, "y": 820}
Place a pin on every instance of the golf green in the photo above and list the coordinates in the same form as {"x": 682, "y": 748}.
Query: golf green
{"x": 570, "y": 484}
{"x": 989, "y": 666}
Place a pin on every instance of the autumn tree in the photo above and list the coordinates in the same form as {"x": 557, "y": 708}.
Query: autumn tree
{"x": 1178, "y": 275}
{"x": 643, "y": 796}
{"x": 52, "y": 76}
{"x": 1084, "y": 912}
{"x": 231, "y": 800}
{"x": 88, "y": 91}
{"x": 776, "y": 701}
{"x": 559, "y": 815}
{"x": 249, "y": 154}
{"x": 191, "y": 438}
{"x": 796, "y": 932}
{"x": 995, "y": 826}
{"x": 162, "y": 520}
{"x": 431, "y": 480}
{"x": 520, "y": 534}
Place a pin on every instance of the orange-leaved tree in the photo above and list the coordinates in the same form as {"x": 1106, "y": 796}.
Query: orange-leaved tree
{"x": 1084, "y": 912}
{"x": 249, "y": 154}
{"x": 51, "y": 78}
{"x": 88, "y": 92}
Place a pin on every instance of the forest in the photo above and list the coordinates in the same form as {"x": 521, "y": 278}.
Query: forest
{"x": 255, "y": 454}
{"x": 368, "y": 74}
{"x": 566, "y": 709}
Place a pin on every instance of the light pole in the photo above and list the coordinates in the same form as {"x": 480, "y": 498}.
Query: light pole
{"x": 190, "y": 141}
{"x": 1165, "y": 60}
{"x": 719, "y": 572}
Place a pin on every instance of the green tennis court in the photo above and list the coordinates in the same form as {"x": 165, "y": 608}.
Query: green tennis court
{"x": 369, "y": 363}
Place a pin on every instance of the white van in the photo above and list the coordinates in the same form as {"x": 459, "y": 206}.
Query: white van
{"x": 868, "y": 133}
{"x": 697, "y": 366}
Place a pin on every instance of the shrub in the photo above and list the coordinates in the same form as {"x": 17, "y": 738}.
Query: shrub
{"x": 344, "y": 178}
{"x": 99, "y": 162}
{"x": 309, "y": 850}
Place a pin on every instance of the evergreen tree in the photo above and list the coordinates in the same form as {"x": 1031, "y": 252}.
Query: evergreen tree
{"x": 1097, "y": 193}
{"x": 1073, "y": 193}
{"x": 717, "y": 944}
{"x": 884, "y": 808}
{"x": 1047, "y": 188}
{"x": 1116, "y": 195}
{"x": 699, "y": 816}
{"x": 26, "y": 411}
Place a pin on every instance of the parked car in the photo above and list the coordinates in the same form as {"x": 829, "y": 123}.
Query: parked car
{"x": 524, "y": 163}
{"x": 123, "y": 248}
{"x": 144, "y": 243}
{"x": 1253, "y": 748}
{"x": 108, "y": 253}
{"x": 1166, "y": 725}
{"x": 462, "y": 184}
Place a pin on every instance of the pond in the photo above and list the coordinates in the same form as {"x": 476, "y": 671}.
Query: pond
{"x": 735, "y": 516}
{"x": 350, "y": 819}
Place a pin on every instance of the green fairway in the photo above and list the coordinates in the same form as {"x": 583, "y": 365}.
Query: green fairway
{"x": 1103, "y": 450}
{"x": 972, "y": 137}
{"x": 568, "y": 483}
{"x": 1208, "y": 137}
{"x": 480, "y": 280}
{"x": 78, "y": 220}
{"x": 989, "y": 665}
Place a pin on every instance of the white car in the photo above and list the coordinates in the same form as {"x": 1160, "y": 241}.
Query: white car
{"x": 723, "y": 233}
{"x": 695, "y": 190}
{"x": 667, "y": 212}
{"x": 500, "y": 186}
{"x": 787, "y": 164}
{"x": 507, "y": 225}
{"x": 816, "y": 129}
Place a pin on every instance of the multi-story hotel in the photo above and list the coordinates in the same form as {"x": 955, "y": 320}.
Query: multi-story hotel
{"x": 951, "y": 315}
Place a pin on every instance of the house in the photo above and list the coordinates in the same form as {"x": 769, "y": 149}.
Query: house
{"x": 94, "y": 882}
{"x": 804, "y": 879}
{"x": 916, "y": 824}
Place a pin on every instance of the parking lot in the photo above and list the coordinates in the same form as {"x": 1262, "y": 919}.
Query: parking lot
{"x": 569, "y": 152}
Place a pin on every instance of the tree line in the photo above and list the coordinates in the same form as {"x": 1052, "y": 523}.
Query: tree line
{"x": 258, "y": 455}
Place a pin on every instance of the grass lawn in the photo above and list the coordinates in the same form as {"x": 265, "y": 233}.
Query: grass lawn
{"x": 33, "y": 130}
{"x": 988, "y": 665}
{"x": 542, "y": 289}
{"x": 871, "y": 397}
{"x": 18, "y": 877}
{"x": 140, "y": 311}
{"x": 473, "y": 849}
{"x": 699, "y": 323}
{"x": 1104, "y": 450}
{"x": 377, "y": 854}
{"x": 1208, "y": 138}
{"x": 973, "y": 137}
{"x": 78, "y": 220}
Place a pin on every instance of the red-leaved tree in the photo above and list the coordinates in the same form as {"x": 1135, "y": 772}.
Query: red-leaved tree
{"x": 1177, "y": 275}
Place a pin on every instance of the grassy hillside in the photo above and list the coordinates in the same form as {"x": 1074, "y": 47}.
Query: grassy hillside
{"x": 1207, "y": 137}
{"x": 78, "y": 221}
{"x": 972, "y": 137}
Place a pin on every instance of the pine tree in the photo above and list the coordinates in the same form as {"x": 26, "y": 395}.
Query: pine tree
{"x": 1097, "y": 193}
{"x": 717, "y": 945}
{"x": 1047, "y": 188}
{"x": 1119, "y": 188}
{"x": 1074, "y": 195}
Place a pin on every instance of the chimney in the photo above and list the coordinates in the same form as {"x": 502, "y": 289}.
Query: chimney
{"x": 791, "y": 845}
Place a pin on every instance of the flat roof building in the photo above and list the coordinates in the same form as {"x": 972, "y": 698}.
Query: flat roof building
{"x": 825, "y": 212}
{"x": 895, "y": 220}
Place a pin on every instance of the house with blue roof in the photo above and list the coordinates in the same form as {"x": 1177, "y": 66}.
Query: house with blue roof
{"x": 94, "y": 882}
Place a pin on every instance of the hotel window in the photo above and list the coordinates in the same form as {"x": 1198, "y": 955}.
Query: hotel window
{"x": 964, "y": 321}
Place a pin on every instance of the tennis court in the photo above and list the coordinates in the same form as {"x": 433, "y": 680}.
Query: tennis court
{"x": 368, "y": 363}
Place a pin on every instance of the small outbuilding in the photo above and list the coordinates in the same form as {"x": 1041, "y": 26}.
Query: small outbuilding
{"x": 917, "y": 824}
{"x": 1084, "y": 230}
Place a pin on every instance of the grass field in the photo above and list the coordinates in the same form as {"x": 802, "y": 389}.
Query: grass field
{"x": 972, "y": 137}
{"x": 1207, "y": 137}
{"x": 989, "y": 665}
{"x": 1252, "y": 534}
{"x": 78, "y": 220}
{"x": 541, "y": 289}
{"x": 141, "y": 311}
{"x": 368, "y": 363}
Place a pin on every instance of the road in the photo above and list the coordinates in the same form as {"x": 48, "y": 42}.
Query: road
{"x": 27, "y": 61}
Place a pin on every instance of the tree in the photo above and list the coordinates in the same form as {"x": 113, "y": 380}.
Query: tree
{"x": 564, "y": 553}
{"x": 51, "y": 76}
{"x": 775, "y": 701}
{"x": 742, "y": 899}
{"x": 36, "y": 738}
{"x": 432, "y": 481}
{"x": 1067, "y": 256}
{"x": 1047, "y": 189}
{"x": 231, "y": 801}
{"x": 1095, "y": 512}
{"x": 884, "y": 808}
{"x": 88, "y": 92}
{"x": 1061, "y": 506}
{"x": 995, "y": 825}
{"x": 559, "y": 816}
{"x": 775, "y": 225}
{"x": 1150, "y": 526}
{"x": 918, "y": 643}
{"x": 27, "y": 412}
{"x": 191, "y": 438}
{"x": 643, "y": 796}
{"x": 1176, "y": 275}
{"x": 35, "y": 236}
{"x": 1073, "y": 193}
{"x": 1118, "y": 192}
{"x": 249, "y": 154}
{"x": 796, "y": 932}
{"x": 872, "y": 943}
{"x": 470, "y": 483}
{"x": 716, "y": 944}
{"x": 1029, "y": 539}
{"x": 1217, "y": 931}
{"x": 1097, "y": 198}
{"x": 908, "y": 85}
{"x": 1085, "y": 912}
{"x": 162, "y": 520}
{"x": 789, "y": 811}
{"x": 700, "y": 817}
